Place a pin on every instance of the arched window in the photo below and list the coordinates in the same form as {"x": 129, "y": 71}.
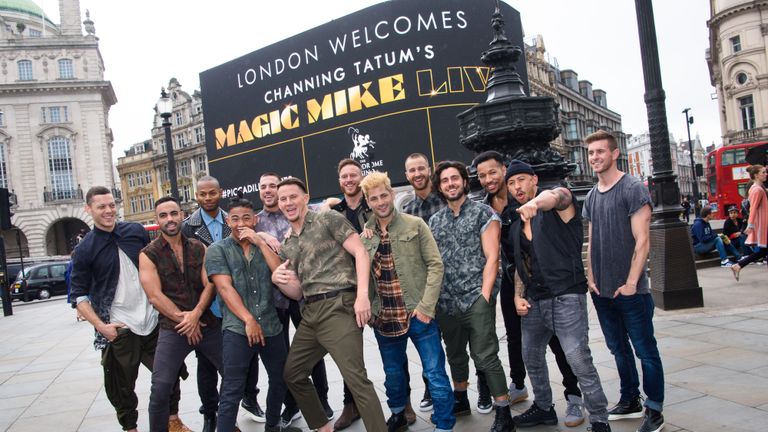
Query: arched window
{"x": 60, "y": 168}
{"x": 66, "y": 71}
{"x": 25, "y": 70}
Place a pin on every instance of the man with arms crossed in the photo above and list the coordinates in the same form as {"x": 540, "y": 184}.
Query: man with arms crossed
{"x": 104, "y": 286}
{"x": 619, "y": 214}
{"x": 326, "y": 259}
{"x": 467, "y": 234}
{"x": 272, "y": 222}
{"x": 239, "y": 266}
{"x": 171, "y": 273}
{"x": 208, "y": 225}
{"x": 491, "y": 173}
{"x": 407, "y": 273}
{"x": 550, "y": 293}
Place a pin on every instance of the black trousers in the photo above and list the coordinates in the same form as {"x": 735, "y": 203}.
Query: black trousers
{"x": 121, "y": 360}
{"x": 172, "y": 349}
{"x": 512, "y": 324}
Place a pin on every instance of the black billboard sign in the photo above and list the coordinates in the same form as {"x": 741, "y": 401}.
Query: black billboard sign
{"x": 375, "y": 86}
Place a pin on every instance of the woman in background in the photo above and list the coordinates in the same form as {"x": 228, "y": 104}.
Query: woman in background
{"x": 757, "y": 225}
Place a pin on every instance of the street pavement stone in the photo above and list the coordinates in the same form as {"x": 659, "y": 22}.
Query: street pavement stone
{"x": 715, "y": 362}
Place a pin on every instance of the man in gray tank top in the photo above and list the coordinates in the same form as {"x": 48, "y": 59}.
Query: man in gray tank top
{"x": 619, "y": 214}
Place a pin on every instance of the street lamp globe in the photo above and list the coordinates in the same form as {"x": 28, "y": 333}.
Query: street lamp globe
{"x": 164, "y": 104}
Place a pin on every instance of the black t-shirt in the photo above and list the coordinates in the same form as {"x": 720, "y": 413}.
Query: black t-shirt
{"x": 351, "y": 215}
{"x": 730, "y": 227}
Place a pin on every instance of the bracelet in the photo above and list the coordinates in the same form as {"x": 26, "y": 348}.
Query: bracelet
{"x": 750, "y": 226}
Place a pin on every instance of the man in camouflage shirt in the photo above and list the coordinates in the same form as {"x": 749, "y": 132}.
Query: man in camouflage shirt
{"x": 467, "y": 234}
{"x": 326, "y": 259}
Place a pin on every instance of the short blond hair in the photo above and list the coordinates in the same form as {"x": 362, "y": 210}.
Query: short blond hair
{"x": 374, "y": 180}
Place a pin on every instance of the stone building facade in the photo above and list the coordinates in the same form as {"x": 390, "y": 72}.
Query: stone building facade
{"x": 583, "y": 110}
{"x": 738, "y": 67}
{"x": 55, "y": 140}
{"x": 143, "y": 170}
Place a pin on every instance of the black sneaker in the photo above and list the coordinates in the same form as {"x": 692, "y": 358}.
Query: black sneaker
{"x": 397, "y": 423}
{"x": 652, "y": 422}
{"x": 279, "y": 428}
{"x": 503, "y": 420}
{"x": 627, "y": 409}
{"x": 600, "y": 427}
{"x": 461, "y": 404}
{"x": 289, "y": 415}
{"x": 484, "y": 402}
{"x": 254, "y": 410}
{"x": 426, "y": 401}
{"x": 328, "y": 410}
{"x": 536, "y": 416}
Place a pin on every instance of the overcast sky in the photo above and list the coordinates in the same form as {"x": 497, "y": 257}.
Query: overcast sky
{"x": 145, "y": 43}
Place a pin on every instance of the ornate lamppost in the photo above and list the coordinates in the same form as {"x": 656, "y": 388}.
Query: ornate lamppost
{"x": 165, "y": 109}
{"x": 674, "y": 283}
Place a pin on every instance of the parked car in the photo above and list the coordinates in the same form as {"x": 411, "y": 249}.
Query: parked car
{"x": 40, "y": 281}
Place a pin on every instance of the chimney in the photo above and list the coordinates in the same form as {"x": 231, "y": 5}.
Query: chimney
{"x": 70, "y": 18}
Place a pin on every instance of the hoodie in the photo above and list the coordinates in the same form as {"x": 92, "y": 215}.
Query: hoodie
{"x": 701, "y": 231}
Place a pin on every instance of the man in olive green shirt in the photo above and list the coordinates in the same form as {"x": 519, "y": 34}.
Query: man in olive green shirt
{"x": 251, "y": 328}
{"x": 407, "y": 272}
{"x": 325, "y": 257}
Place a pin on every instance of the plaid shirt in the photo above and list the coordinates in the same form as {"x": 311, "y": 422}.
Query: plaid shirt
{"x": 276, "y": 225}
{"x": 424, "y": 208}
{"x": 392, "y": 320}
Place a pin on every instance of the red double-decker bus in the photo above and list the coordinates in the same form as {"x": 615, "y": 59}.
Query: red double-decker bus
{"x": 727, "y": 177}
{"x": 153, "y": 230}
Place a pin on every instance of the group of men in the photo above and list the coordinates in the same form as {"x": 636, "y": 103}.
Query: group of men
{"x": 227, "y": 285}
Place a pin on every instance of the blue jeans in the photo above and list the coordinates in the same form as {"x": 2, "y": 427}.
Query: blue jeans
{"x": 625, "y": 319}
{"x": 426, "y": 339}
{"x": 238, "y": 359}
{"x": 716, "y": 243}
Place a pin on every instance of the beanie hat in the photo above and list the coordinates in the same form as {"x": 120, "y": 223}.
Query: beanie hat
{"x": 518, "y": 167}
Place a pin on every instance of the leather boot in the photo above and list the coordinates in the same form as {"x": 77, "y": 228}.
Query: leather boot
{"x": 209, "y": 423}
{"x": 348, "y": 415}
{"x": 410, "y": 415}
{"x": 503, "y": 421}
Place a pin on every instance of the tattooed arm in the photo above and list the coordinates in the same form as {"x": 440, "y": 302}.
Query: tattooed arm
{"x": 521, "y": 304}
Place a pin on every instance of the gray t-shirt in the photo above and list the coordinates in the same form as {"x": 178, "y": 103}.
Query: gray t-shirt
{"x": 612, "y": 241}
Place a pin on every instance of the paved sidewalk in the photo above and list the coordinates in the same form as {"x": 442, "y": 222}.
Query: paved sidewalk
{"x": 715, "y": 359}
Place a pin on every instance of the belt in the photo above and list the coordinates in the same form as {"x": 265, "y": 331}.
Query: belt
{"x": 326, "y": 296}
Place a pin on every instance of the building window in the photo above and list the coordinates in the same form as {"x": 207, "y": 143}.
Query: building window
{"x": 202, "y": 163}
{"x": 180, "y": 140}
{"x": 65, "y": 69}
{"x": 134, "y": 204}
{"x": 185, "y": 194}
{"x": 60, "y": 168}
{"x": 199, "y": 109}
{"x": 163, "y": 173}
{"x": 148, "y": 177}
{"x": 736, "y": 44}
{"x": 2, "y": 118}
{"x": 179, "y": 118}
{"x": 55, "y": 114}
{"x": 25, "y": 70}
{"x": 3, "y": 169}
{"x": 199, "y": 135}
{"x": 747, "y": 107}
{"x": 35, "y": 33}
{"x": 571, "y": 130}
{"x": 129, "y": 179}
{"x": 184, "y": 168}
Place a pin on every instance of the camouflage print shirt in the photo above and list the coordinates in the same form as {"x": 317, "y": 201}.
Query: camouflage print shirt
{"x": 459, "y": 241}
{"x": 317, "y": 255}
